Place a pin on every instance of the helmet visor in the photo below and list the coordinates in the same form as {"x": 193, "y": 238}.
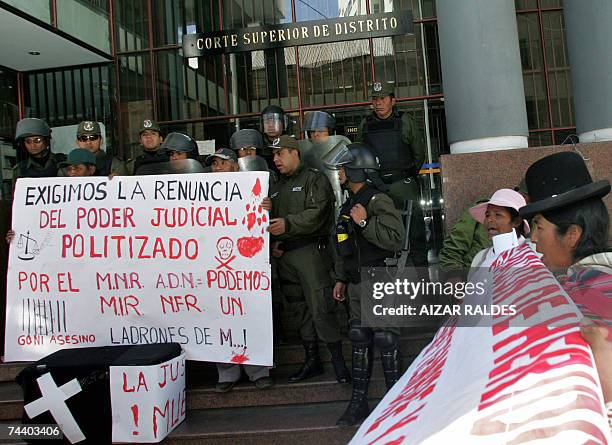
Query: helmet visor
{"x": 319, "y": 121}
{"x": 273, "y": 124}
{"x": 337, "y": 157}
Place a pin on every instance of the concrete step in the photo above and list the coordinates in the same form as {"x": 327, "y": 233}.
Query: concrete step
{"x": 267, "y": 425}
{"x": 319, "y": 389}
{"x": 410, "y": 344}
{"x": 277, "y": 425}
{"x": 201, "y": 394}
{"x": 8, "y": 371}
{"x": 412, "y": 341}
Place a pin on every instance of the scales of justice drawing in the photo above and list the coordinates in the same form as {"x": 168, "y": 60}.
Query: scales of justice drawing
{"x": 30, "y": 244}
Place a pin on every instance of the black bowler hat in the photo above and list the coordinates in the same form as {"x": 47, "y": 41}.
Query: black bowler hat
{"x": 559, "y": 180}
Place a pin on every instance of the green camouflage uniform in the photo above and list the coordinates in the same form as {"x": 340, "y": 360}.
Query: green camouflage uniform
{"x": 466, "y": 238}
{"x": 408, "y": 188}
{"x": 385, "y": 230}
{"x": 28, "y": 168}
{"x": 306, "y": 201}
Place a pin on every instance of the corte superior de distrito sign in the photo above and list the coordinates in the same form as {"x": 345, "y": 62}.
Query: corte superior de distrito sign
{"x": 296, "y": 34}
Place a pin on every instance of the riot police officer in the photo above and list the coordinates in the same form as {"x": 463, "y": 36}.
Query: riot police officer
{"x": 369, "y": 229}
{"x": 179, "y": 146}
{"x": 274, "y": 123}
{"x": 301, "y": 212}
{"x": 247, "y": 143}
{"x": 319, "y": 125}
{"x": 89, "y": 137}
{"x": 151, "y": 141}
{"x": 397, "y": 141}
{"x": 35, "y": 160}
{"x": 320, "y": 128}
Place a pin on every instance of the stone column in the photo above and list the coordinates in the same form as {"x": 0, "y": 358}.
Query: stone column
{"x": 589, "y": 42}
{"x": 482, "y": 76}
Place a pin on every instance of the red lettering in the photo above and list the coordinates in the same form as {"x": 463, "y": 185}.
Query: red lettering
{"x": 61, "y": 282}
{"x": 421, "y": 382}
{"x": 135, "y": 414}
{"x": 125, "y": 385}
{"x": 173, "y": 411}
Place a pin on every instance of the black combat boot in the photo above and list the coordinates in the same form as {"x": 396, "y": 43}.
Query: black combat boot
{"x": 391, "y": 361}
{"x": 342, "y": 374}
{"x": 312, "y": 364}
{"x": 358, "y": 408}
{"x": 277, "y": 325}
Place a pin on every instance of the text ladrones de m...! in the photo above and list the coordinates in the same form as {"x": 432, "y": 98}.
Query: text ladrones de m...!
{"x": 133, "y": 260}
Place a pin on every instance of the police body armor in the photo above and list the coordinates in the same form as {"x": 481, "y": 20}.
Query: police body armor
{"x": 104, "y": 164}
{"x": 252, "y": 163}
{"x": 312, "y": 153}
{"x": 256, "y": 163}
{"x": 49, "y": 171}
{"x": 354, "y": 249}
{"x": 149, "y": 158}
{"x": 180, "y": 166}
{"x": 385, "y": 139}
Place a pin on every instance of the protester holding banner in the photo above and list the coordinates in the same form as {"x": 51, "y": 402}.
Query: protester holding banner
{"x": 80, "y": 162}
{"x": 223, "y": 160}
{"x": 301, "y": 212}
{"x": 502, "y": 223}
{"x": 467, "y": 237}
{"x": 34, "y": 157}
{"x": 89, "y": 137}
{"x": 245, "y": 142}
{"x": 369, "y": 229}
{"x": 571, "y": 231}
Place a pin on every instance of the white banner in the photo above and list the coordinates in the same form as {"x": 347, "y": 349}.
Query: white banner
{"x": 523, "y": 378}
{"x": 147, "y": 402}
{"x": 138, "y": 260}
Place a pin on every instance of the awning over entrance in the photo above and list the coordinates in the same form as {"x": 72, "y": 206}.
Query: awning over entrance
{"x": 21, "y": 38}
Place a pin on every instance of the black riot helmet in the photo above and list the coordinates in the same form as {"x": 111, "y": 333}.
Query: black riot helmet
{"x": 274, "y": 120}
{"x": 28, "y": 127}
{"x": 246, "y": 138}
{"x": 32, "y": 126}
{"x": 357, "y": 159}
{"x": 180, "y": 142}
{"x": 319, "y": 120}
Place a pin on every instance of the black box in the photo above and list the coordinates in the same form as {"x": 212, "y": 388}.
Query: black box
{"x": 91, "y": 407}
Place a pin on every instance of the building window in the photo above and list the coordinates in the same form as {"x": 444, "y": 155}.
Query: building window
{"x": 546, "y": 71}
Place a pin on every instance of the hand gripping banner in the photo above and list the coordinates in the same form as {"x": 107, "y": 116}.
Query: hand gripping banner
{"x": 139, "y": 260}
{"x": 512, "y": 380}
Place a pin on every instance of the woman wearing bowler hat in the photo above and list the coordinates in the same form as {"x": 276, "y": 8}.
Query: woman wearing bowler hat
{"x": 571, "y": 232}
